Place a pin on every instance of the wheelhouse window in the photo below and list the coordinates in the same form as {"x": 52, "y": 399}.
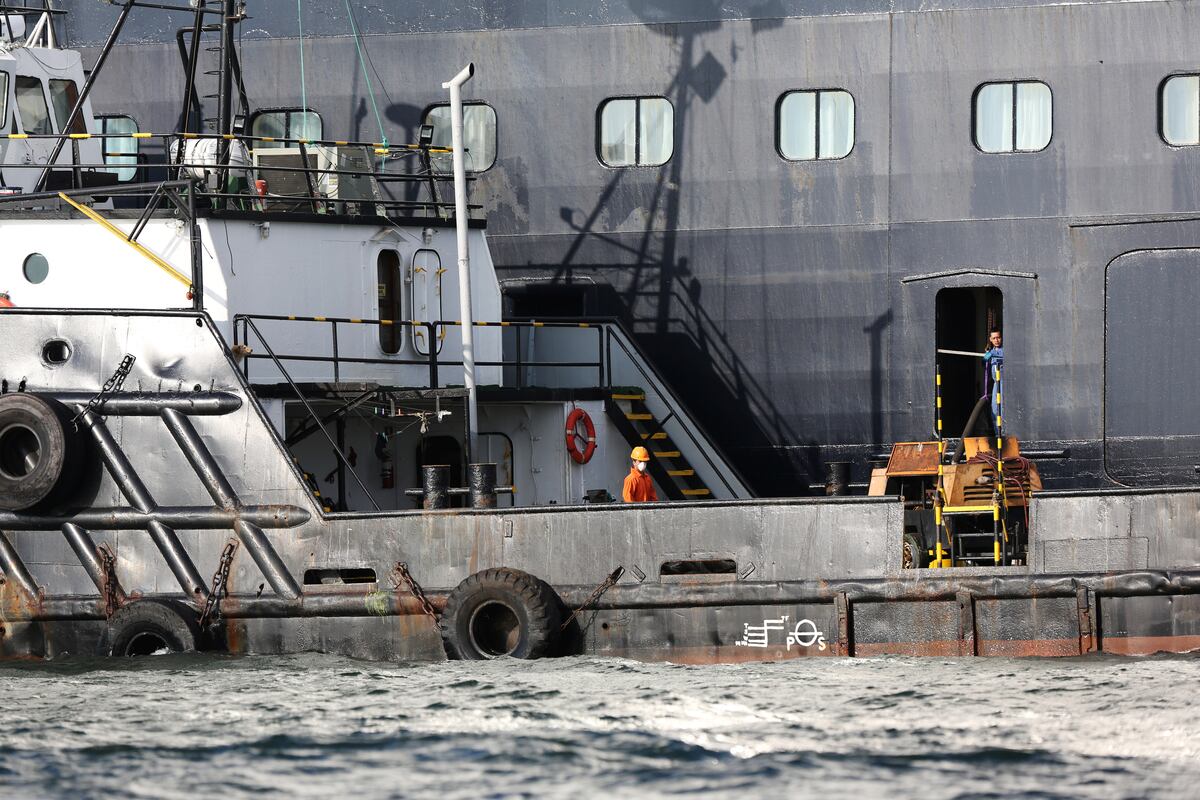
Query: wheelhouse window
{"x": 64, "y": 94}
{"x": 286, "y": 123}
{"x": 31, "y": 105}
{"x": 636, "y": 132}
{"x": 815, "y": 124}
{"x": 1179, "y": 110}
{"x": 479, "y": 136}
{"x": 121, "y": 151}
{"x": 1013, "y": 117}
{"x": 3, "y": 100}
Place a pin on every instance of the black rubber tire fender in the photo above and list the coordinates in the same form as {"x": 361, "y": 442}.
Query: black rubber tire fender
{"x": 143, "y": 627}
{"x": 42, "y": 455}
{"x": 501, "y": 612}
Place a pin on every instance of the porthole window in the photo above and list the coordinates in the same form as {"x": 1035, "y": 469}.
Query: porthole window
{"x": 36, "y": 268}
{"x": 636, "y": 132}
{"x": 816, "y": 124}
{"x": 1179, "y": 110}
{"x": 1013, "y": 117}
{"x": 479, "y": 137}
{"x": 56, "y": 352}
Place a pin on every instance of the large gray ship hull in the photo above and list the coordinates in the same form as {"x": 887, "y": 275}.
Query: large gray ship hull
{"x": 185, "y": 475}
{"x": 796, "y": 302}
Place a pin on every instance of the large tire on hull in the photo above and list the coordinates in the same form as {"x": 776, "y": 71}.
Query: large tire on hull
{"x": 145, "y": 627}
{"x": 41, "y": 454}
{"x": 501, "y": 612}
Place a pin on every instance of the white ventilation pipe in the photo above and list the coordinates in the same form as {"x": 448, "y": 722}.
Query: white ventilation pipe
{"x": 461, "y": 221}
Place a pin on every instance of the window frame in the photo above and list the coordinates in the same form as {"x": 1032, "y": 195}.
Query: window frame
{"x": 1014, "y": 82}
{"x": 136, "y": 155}
{"x": 1162, "y": 91}
{"x": 45, "y": 103}
{"x": 816, "y": 123}
{"x": 289, "y": 111}
{"x": 637, "y": 130}
{"x": 465, "y": 103}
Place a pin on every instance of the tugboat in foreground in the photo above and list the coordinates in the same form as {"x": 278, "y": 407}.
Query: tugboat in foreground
{"x": 240, "y": 361}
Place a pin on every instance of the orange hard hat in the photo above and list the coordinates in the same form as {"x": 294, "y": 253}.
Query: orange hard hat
{"x": 639, "y": 454}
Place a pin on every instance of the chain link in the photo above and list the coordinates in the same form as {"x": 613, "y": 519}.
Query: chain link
{"x": 108, "y": 567}
{"x": 401, "y": 575}
{"x": 607, "y": 584}
{"x": 111, "y": 385}
{"x": 220, "y": 586}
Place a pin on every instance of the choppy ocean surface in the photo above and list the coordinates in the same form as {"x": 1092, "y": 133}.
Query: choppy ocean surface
{"x": 324, "y": 726}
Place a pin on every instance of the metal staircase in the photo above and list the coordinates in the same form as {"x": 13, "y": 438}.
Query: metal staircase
{"x": 669, "y": 467}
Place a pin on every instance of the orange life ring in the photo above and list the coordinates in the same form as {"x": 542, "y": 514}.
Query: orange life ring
{"x": 573, "y": 437}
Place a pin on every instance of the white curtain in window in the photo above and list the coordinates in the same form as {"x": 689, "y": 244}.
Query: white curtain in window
{"x": 618, "y": 132}
{"x": 120, "y": 152}
{"x": 479, "y": 136}
{"x": 798, "y": 126}
{"x": 837, "y": 124}
{"x": 657, "y": 131}
{"x": 993, "y": 118}
{"x": 1033, "y": 116}
{"x": 1181, "y": 110}
{"x": 306, "y": 125}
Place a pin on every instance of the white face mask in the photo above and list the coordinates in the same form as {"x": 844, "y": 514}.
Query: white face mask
{"x": 641, "y": 466}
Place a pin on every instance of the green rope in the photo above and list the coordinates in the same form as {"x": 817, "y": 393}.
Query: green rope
{"x": 366, "y": 75}
{"x": 303, "y": 87}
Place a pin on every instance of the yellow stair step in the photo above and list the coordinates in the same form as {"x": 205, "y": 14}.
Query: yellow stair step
{"x": 967, "y": 509}
{"x": 696, "y": 492}
{"x": 659, "y": 435}
{"x": 666, "y": 454}
{"x": 681, "y": 473}
{"x": 639, "y": 417}
{"x": 629, "y": 397}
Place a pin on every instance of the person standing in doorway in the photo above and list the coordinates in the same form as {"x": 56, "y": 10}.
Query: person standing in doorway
{"x": 993, "y": 365}
{"x": 639, "y": 487}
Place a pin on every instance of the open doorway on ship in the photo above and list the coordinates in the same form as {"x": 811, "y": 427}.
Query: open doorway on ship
{"x": 964, "y": 318}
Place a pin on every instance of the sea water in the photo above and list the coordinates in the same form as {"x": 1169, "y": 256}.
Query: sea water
{"x": 325, "y": 726}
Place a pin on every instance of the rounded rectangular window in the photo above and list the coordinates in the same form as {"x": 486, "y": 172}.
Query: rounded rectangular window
{"x": 1179, "y": 109}
{"x": 1013, "y": 117}
{"x": 286, "y": 123}
{"x": 636, "y": 132}
{"x": 121, "y": 150}
{"x": 479, "y": 137}
{"x": 3, "y": 100}
{"x": 815, "y": 124}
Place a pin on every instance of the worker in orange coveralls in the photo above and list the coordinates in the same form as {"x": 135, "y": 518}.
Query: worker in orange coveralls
{"x": 639, "y": 488}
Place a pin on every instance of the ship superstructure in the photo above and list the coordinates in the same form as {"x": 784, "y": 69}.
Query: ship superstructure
{"x": 287, "y": 357}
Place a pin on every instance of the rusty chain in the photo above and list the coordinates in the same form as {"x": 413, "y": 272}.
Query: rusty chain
{"x": 401, "y": 575}
{"x": 599, "y": 591}
{"x": 220, "y": 585}
{"x": 108, "y": 567}
{"x": 111, "y": 385}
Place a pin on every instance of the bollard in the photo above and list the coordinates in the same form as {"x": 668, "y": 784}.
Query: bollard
{"x": 481, "y": 484}
{"x": 838, "y": 480}
{"x": 434, "y": 480}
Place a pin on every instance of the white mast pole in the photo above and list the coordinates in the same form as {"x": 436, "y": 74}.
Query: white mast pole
{"x": 464, "y": 257}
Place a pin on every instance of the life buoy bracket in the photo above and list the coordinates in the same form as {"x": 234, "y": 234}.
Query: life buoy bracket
{"x": 573, "y": 436}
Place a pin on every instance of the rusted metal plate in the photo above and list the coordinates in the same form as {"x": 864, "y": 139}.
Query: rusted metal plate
{"x": 913, "y": 458}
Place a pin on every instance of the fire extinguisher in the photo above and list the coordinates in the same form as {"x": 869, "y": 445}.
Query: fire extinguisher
{"x": 386, "y": 474}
